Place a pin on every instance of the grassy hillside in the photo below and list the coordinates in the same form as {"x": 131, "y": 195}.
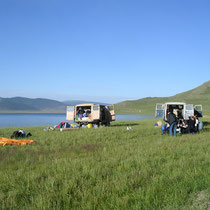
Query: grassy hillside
{"x": 106, "y": 168}
{"x": 20, "y": 104}
{"x": 199, "y": 95}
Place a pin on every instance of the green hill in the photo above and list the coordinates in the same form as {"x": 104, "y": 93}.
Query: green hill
{"x": 38, "y": 105}
{"x": 199, "y": 95}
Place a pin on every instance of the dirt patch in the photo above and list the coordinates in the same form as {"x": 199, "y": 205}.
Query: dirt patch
{"x": 202, "y": 200}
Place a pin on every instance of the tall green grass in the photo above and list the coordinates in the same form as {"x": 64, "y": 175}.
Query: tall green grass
{"x": 106, "y": 168}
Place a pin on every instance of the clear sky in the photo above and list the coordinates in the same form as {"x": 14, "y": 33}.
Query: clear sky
{"x": 103, "y": 50}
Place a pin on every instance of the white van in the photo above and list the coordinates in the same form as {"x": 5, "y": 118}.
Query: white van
{"x": 91, "y": 113}
{"x": 184, "y": 110}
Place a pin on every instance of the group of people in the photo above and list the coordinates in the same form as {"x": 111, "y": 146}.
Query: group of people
{"x": 175, "y": 122}
{"x": 190, "y": 127}
{"x": 82, "y": 112}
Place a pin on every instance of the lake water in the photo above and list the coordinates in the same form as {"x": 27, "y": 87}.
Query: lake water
{"x": 27, "y": 120}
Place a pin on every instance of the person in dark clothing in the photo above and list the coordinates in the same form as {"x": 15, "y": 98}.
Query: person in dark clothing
{"x": 183, "y": 126}
{"x": 80, "y": 112}
{"x": 172, "y": 120}
{"x": 107, "y": 116}
{"x": 192, "y": 125}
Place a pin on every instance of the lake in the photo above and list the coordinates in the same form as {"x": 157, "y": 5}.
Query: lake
{"x": 28, "y": 120}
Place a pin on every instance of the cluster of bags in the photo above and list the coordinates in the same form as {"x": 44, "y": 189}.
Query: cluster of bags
{"x": 20, "y": 134}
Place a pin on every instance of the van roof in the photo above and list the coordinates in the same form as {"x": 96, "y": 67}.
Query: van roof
{"x": 175, "y": 103}
{"x": 86, "y": 104}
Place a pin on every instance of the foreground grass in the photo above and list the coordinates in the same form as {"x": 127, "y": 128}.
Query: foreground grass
{"x": 106, "y": 168}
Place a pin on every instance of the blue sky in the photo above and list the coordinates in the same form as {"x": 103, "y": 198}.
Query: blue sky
{"x": 103, "y": 50}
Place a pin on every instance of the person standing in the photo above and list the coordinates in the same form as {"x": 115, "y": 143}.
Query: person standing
{"x": 172, "y": 120}
{"x": 192, "y": 125}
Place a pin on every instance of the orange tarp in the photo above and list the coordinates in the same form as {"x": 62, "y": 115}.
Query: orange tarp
{"x": 5, "y": 141}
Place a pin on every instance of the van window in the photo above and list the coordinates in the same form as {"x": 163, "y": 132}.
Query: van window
{"x": 189, "y": 107}
{"x": 111, "y": 107}
{"x": 95, "y": 108}
{"x": 70, "y": 109}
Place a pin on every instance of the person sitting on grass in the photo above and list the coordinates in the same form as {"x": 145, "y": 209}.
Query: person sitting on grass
{"x": 183, "y": 126}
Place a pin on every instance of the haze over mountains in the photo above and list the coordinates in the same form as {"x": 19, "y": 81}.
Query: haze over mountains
{"x": 199, "y": 95}
{"x": 38, "y": 105}
{"x": 21, "y": 104}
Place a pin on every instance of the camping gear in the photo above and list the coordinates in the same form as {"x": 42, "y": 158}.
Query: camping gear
{"x": 90, "y": 125}
{"x": 6, "y": 141}
{"x": 95, "y": 125}
{"x": 49, "y": 128}
{"x": 63, "y": 125}
{"x": 20, "y": 134}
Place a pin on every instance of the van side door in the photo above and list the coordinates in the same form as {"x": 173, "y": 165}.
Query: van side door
{"x": 70, "y": 113}
{"x": 112, "y": 112}
{"x": 199, "y": 110}
{"x": 188, "y": 111}
{"x": 159, "y": 112}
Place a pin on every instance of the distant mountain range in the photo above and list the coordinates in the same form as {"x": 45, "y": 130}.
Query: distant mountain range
{"x": 38, "y": 105}
{"x": 196, "y": 96}
{"x": 199, "y": 95}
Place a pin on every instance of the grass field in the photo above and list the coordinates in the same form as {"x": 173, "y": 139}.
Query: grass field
{"x": 106, "y": 168}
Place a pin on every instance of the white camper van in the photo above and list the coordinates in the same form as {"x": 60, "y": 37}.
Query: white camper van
{"x": 184, "y": 110}
{"x": 84, "y": 114}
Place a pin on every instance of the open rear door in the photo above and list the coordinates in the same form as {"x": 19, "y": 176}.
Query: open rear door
{"x": 159, "y": 112}
{"x": 70, "y": 113}
{"x": 112, "y": 112}
{"x": 189, "y": 111}
{"x": 95, "y": 112}
{"x": 198, "y": 110}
